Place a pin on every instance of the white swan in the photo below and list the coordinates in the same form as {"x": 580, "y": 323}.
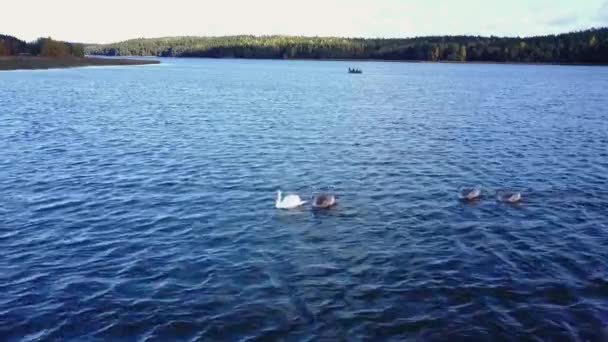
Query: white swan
{"x": 470, "y": 194}
{"x": 288, "y": 202}
{"x": 513, "y": 197}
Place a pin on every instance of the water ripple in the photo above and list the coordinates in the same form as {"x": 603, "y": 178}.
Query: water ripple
{"x": 137, "y": 204}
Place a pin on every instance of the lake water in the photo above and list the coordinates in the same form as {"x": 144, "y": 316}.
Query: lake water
{"x": 137, "y": 203}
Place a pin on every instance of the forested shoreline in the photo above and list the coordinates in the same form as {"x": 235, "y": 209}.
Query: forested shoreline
{"x": 46, "y": 53}
{"x": 590, "y": 46}
{"x": 43, "y": 47}
{"x": 585, "y": 47}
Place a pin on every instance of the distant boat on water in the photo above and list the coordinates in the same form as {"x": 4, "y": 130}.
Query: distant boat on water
{"x": 354, "y": 71}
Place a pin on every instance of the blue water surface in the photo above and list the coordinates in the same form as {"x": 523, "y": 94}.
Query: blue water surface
{"x": 137, "y": 203}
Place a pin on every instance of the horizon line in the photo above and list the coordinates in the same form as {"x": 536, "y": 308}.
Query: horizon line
{"x": 593, "y": 28}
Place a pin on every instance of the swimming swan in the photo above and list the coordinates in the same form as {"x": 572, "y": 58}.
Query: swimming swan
{"x": 470, "y": 194}
{"x": 324, "y": 201}
{"x": 512, "y": 197}
{"x": 288, "y": 202}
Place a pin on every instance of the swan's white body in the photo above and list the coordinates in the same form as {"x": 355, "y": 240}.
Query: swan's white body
{"x": 470, "y": 194}
{"x": 288, "y": 202}
{"x": 512, "y": 197}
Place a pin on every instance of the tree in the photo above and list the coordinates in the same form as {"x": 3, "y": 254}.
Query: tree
{"x": 4, "y": 51}
{"x": 77, "y": 50}
{"x": 585, "y": 46}
{"x": 10, "y": 45}
{"x": 433, "y": 53}
{"x": 53, "y": 48}
{"x": 463, "y": 53}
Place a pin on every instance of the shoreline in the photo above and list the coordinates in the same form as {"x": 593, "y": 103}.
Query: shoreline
{"x": 368, "y": 60}
{"x": 45, "y": 63}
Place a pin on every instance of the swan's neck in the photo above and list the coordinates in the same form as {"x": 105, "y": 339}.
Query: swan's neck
{"x": 279, "y": 196}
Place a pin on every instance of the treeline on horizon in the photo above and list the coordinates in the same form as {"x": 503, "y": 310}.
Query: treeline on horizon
{"x": 43, "y": 47}
{"x": 590, "y": 46}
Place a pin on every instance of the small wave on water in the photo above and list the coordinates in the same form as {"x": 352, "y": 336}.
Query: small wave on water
{"x": 138, "y": 204}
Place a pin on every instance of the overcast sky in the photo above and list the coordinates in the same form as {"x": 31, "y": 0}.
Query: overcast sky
{"x": 115, "y": 20}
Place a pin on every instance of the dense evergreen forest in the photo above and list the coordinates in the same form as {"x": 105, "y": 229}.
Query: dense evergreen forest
{"x": 44, "y": 47}
{"x": 590, "y": 46}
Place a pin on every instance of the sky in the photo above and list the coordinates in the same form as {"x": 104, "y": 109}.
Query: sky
{"x": 116, "y": 20}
